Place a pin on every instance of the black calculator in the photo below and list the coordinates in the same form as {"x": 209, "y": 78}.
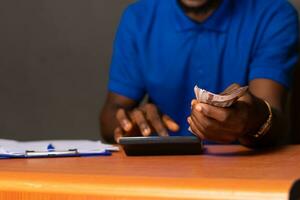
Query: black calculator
{"x": 157, "y": 145}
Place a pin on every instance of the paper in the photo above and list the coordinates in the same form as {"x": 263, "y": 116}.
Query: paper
{"x": 18, "y": 148}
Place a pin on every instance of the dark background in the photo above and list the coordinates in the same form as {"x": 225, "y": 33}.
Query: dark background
{"x": 54, "y": 61}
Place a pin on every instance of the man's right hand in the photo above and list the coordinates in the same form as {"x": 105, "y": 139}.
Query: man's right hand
{"x": 143, "y": 120}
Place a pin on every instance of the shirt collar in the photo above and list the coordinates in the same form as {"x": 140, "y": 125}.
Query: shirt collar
{"x": 218, "y": 21}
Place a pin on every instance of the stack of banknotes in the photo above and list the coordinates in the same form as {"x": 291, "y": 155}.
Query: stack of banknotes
{"x": 225, "y": 99}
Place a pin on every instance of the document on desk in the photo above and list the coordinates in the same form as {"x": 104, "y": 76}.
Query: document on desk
{"x": 53, "y": 148}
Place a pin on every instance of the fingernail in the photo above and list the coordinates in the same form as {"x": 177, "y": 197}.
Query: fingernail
{"x": 193, "y": 102}
{"x": 146, "y": 131}
{"x": 127, "y": 125}
{"x": 117, "y": 138}
{"x": 175, "y": 127}
{"x": 164, "y": 133}
{"x": 190, "y": 130}
{"x": 198, "y": 107}
{"x": 189, "y": 120}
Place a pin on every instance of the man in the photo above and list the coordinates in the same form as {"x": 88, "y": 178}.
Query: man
{"x": 165, "y": 48}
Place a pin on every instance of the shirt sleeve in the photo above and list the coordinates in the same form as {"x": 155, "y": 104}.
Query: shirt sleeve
{"x": 276, "y": 53}
{"x": 125, "y": 74}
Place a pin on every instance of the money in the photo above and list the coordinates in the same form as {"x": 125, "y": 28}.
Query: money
{"x": 225, "y": 99}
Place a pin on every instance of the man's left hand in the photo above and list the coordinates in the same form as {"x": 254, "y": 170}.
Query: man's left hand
{"x": 226, "y": 125}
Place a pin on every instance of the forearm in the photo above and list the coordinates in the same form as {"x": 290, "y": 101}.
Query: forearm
{"x": 107, "y": 118}
{"x": 108, "y": 123}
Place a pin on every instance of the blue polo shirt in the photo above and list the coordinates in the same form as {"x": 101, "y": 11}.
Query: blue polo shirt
{"x": 161, "y": 52}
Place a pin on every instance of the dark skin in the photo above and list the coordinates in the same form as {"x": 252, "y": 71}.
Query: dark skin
{"x": 122, "y": 116}
{"x": 244, "y": 118}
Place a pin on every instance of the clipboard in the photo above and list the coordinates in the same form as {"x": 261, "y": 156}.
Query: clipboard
{"x": 46, "y": 149}
{"x": 62, "y": 153}
{"x": 55, "y": 154}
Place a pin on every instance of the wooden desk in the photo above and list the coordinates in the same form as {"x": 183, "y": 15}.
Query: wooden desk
{"x": 223, "y": 172}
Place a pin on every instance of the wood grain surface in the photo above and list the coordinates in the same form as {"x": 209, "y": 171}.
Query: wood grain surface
{"x": 222, "y": 172}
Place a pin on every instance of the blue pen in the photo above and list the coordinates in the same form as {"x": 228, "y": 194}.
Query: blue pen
{"x": 50, "y": 148}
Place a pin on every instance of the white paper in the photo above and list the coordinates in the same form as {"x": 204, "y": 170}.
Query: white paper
{"x": 13, "y": 147}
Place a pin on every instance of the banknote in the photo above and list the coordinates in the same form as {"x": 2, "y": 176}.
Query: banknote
{"x": 225, "y": 99}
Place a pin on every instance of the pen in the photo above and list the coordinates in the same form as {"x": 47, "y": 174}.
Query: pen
{"x": 50, "y": 147}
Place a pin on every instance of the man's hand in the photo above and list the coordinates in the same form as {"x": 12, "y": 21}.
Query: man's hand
{"x": 226, "y": 125}
{"x": 143, "y": 121}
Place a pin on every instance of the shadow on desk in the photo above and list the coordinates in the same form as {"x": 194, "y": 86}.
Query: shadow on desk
{"x": 232, "y": 152}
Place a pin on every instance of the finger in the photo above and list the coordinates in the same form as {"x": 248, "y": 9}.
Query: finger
{"x": 231, "y": 88}
{"x": 123, "y": 120}
{"x": 194, "y": 129}
{"x": 190, "y": 129}
{"x": 211, "y": 129}
{"x": 193, "y": 102}
{"x": 154, "y": 118}
{"x": 171, "y": 124}
{"x": 214, "y": 112}
{"x": 118, "y": 133}
{"x": 208, "y": 126}
{"x": 205, "y": 122}
{"x": 138, "y": 117}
